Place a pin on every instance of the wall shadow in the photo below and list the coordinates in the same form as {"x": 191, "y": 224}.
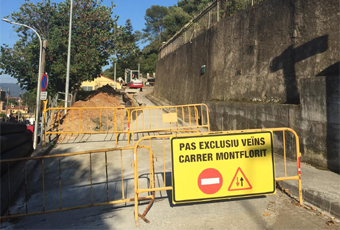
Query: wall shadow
{"x": 287, "y": 59}
{"x": 332, "y": 78}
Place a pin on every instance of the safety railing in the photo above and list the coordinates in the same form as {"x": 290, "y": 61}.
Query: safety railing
{"x": 151, "y": 148}
{"x": 160, "y": 119}
{"x": 71, "y": 181}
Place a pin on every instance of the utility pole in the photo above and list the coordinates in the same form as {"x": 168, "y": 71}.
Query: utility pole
{"x": 8, "y": 92}
{"x": 67, "y": 87}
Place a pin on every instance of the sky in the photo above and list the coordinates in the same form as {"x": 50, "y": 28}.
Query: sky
{"x": 125, "y": 9}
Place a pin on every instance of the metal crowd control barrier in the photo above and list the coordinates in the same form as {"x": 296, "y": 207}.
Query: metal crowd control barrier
{"x": 149, "y": 148}
{"x": 145, "y": 172}
{"x": 87, "y": 120}
{"x": 91, "y": 191}
{"x": 120, "y": 120}
{"x": 179, "y": 118}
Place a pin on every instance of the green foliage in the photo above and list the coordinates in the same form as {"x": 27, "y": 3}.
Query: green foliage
{"x": 154, "y": 25}
{"x": 11, "y": 101}
{"x": 81, "y": 95}
{"x": 29, "y": 99}
{"x": 128, "y": 52}
{"x": 94, "y": 33}
{"x": 193, "y": 7}
{"x": 175, "y": 20}
{"x": 3, "y": 115}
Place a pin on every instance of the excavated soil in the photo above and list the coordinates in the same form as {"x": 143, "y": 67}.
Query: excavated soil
{"x": 93, "y": 117}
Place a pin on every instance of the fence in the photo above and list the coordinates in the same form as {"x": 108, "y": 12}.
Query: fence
{"x": 79, "y": 175}
{"x": 119, "y": 120}
{"x": 90, "y": 120}
{"x": 149, "y": 149}
{"x": 181, "y": 118}
{"x": 77, "y": 183}
{"x": 208, "y": 17}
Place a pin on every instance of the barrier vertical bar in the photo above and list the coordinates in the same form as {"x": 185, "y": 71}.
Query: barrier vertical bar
{"x": 115, "y": 123}
{"x": 164, "y": 162}
{"x": 107, "y": 120}
{"x": 121, "y": 171}
{"x": 65, "y": 118}
{"x": 80, "y": 120}
{"x": 150, "y": 118}
{"x": 107, "y": 179}
{"x": 143, "y": 119}
{"x": 177, "y": 117}
{"x": 136, "y": 184}
{"x": 60, "y": 200}
{"x": 189, "y": 111}
{"x": 183, "y": 116}
{"x": 156, "y": 118}
{"x": 91, "y": 178}
{"x": 73, "y": 120}
{"x": 284, "y": 151}
{"x": 202, "y": 118}
{"x": 100, "y": 119}
{"x": 58, "y": 120}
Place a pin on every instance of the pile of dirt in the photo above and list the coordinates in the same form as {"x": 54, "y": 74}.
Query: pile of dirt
{"x": 91, "y": 118}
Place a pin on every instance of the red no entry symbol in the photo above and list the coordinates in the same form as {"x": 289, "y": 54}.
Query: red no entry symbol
{"x": 210, "y": 181}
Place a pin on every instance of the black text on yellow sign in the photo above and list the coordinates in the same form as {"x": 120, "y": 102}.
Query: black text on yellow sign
{"x": 222, "y": 166}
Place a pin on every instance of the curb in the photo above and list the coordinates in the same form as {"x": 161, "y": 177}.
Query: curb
{"x": 327, "y": 204}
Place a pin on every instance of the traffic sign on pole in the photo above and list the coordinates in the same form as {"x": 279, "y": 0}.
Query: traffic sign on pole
{"x": 44, "y": 82}
{"x": 224, "y": 166}
{"x": 43, "y": 96}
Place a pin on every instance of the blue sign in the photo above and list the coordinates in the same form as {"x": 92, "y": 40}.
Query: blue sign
{"x": 44, "y": 82}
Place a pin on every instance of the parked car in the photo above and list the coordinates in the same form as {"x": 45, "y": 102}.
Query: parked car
{"x": 150, "y": 82}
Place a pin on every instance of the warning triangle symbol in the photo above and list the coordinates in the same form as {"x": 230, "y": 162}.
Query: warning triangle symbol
{"x": 239, "y": 182}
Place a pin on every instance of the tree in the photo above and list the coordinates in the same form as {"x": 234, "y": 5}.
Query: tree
{"x": 154, "y": 25}
{"x": 193, "y": 7}
{"x": 93, "y": 41}
{"x": 128, "y": 53}
{"x": 12, "y": 101}
{"x": 149, "y": 58}
{"x": 29, "y": 99}
{"x": 175, "y": 20}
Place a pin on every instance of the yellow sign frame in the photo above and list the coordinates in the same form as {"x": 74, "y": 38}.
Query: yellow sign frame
{"x": 248, "y": 161}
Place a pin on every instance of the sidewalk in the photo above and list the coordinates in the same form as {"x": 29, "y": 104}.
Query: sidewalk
{"x": 320, "y": 188}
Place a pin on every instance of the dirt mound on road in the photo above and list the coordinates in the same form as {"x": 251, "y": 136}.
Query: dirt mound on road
{"x": 92, "y": 119}
{"x": 105, "y": 96}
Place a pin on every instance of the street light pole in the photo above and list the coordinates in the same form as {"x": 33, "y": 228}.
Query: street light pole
{"x": 68, "y": 58}
{"x": 36, "y": 126}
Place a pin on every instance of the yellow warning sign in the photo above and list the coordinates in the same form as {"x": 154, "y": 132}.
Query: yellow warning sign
{"x": 239, "y": 182}
{"x": 222, "y": 166}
